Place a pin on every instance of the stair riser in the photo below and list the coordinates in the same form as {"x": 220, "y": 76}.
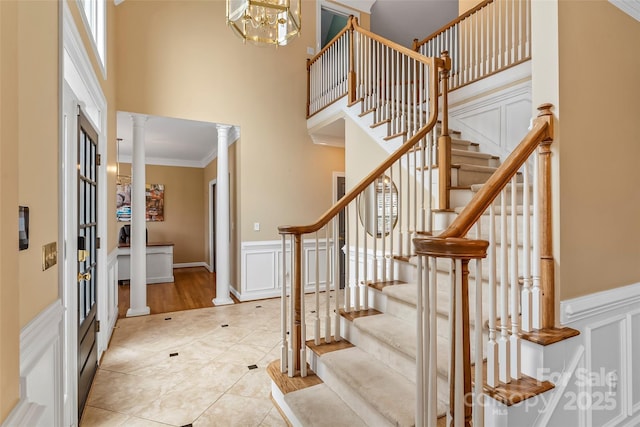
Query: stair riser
{"x": 465, "y": 178}
{"x": 471, "y": 160}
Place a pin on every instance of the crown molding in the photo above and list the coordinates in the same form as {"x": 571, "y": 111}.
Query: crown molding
{"x": 361, "y": 5}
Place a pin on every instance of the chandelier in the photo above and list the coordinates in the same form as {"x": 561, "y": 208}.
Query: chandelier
{"x": 264, "y": 22}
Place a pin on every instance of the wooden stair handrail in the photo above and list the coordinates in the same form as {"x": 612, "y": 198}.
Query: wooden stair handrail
{"x": 542, "y": 130}
{"x": 435, "y": 64}
{"x": 417, "y": 43}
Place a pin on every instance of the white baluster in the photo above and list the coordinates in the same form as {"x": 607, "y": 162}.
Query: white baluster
{"x": 336, "y": 279}
{"x": 452, "y": 316}
{"x": 536, "y": 293}
{"x": 327, "y": 290}
{"x": 347, "y": 262}
{"x": 432, "y": 389}
{"x": 303, "y": 321}
{"x": 356, "y": 268}
{"x": 422, "y": 335}
{"x": 292, "y": 315}
{"x": 478, "y": 403}
{"x": 375, "y": 237}
{"x": 388, "y": 206}
{"x": 515, "y": 284}
{"x": 526, "y": 260}
{"x": 316, "y": 318}
{"x": 503, "y": 342}
{"x": 492, "y": 346}
{"x": 383, "y": 228}
{"x": 284, "y": 348}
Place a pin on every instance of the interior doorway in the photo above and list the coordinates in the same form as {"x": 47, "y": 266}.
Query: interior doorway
{"x": 332, "y": 18}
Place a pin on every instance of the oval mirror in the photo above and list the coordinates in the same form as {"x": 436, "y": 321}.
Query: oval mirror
{"x": 378, "y": 207}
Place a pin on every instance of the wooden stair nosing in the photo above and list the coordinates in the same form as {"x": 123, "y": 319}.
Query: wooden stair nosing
{"x": 380, "y": 123}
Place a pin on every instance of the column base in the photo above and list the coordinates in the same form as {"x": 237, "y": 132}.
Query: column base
{"x": 138, "y": 312}
{"x": 222, "y": 301}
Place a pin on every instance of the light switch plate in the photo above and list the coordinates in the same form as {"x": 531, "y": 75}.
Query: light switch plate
{"x": 49, "y": 255}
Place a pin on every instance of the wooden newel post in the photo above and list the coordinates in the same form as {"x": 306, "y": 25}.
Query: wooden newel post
{"x": 467, "y": 401}
{"x": 444, "y": 140}
{"x": 352, "y": 63}
{"x": 296, "y": 294}
{"x": 547, "y": 278}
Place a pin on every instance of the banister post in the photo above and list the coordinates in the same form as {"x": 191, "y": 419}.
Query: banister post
{"x": 461, "y": 251}
{"x": 444, "y": 141}
{"x": 352, "y": 71}
{"x": 467, "y": 410}
{"x": 295, "y": 298}
{"x": 547, "y": 268}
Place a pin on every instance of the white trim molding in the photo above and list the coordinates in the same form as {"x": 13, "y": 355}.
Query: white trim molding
{"x": 41, "y": 376}
{"x": 191, "y": 264}
{"x": 587, "y": 306}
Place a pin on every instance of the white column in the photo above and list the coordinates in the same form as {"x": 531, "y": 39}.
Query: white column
{"x": 138, "y": 282}
{"x": 223, "y": 265}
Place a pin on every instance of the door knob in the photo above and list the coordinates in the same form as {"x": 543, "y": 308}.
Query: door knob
{"x": 84, "y": 276}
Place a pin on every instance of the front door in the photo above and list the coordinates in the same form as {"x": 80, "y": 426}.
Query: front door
{"x": 87, "y": 257}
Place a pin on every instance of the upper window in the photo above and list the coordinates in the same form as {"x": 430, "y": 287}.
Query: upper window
{"x": 94, "y": 14}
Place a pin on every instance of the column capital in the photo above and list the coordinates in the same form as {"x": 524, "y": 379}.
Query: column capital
{"x": 223, "y": 129}
{"x": 139, "y": 119}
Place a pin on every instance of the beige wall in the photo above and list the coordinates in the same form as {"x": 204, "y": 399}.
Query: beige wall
{"x": 9, "y": 279}
{"x": 29, "y": 164}
{"x": 183, "y": 207}
{"x": 598, "y": 149}
{"x": 38, "y": 150}
{"x": 464, "y": 5}
{"x": 178, "y": 59}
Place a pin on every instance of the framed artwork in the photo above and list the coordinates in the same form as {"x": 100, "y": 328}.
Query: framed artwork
{"x": 154, "y": 195}
{"x": 155, "y": 202}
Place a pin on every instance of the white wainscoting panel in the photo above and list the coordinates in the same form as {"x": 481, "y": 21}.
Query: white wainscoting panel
{"x": 41, "y": 378}
{"x": 605, "y": 388}
{"x": 494, "y": 112}
{"x": 108, "y": 309}
{"x": 261, "y": 268}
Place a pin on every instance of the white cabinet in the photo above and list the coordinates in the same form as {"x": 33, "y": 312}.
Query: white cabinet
{"x": 159, "y": 262}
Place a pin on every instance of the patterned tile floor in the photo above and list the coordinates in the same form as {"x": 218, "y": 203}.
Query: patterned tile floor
{"x": 206, "y": 382}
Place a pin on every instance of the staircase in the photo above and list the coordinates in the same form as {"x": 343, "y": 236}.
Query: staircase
{"x": 369, "y": 377}
{"x": 447, "y": 261}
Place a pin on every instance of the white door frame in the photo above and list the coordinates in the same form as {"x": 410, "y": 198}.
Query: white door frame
{"x": 212, "y": 232}
{"x": 79, "y": 86}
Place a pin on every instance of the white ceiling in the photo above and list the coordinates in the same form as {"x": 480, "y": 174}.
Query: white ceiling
{"x": 170, "y": 142}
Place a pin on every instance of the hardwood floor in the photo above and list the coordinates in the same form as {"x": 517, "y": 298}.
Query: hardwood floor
{"x": 193, "y": 287}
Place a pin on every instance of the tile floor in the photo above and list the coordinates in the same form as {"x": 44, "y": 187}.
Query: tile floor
{"x": 207, "y": 383}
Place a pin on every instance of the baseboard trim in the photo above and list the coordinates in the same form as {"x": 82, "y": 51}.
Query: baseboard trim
{"x": 191, "y": 264}
{"x": 598, "y": 303}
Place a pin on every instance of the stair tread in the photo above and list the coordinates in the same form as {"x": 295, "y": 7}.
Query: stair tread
{"x": 392, "y": 395}
{"x": 320, "y": 406}
{"x": 391, "y": 330}
{"x": 474, "y": 168}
